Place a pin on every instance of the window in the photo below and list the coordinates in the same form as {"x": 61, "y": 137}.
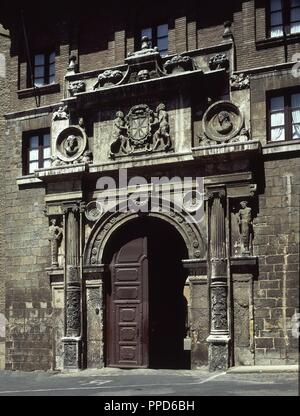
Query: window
{"x": 284, "y": 17}
{"x": 44, "y": 69}
{"x": 37, "y": 151}
{"x": 284, "y": 117}
{"x": 158, "y": 36}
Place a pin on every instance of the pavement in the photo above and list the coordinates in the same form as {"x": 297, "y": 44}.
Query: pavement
{"x": 109, "y": 382}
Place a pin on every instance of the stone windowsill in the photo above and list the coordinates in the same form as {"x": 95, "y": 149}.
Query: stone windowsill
{"x": 226, "y": 148}
{"x": 45, "y": 89}
{"x": 28, "y": 180}
{"x": 281, "y": 147}
{"x": 279, "y": 41}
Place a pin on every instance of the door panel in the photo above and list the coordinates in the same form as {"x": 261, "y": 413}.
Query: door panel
{"x": 127, "y": 318}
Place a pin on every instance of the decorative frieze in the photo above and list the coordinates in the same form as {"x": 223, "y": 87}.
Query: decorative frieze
{"x": 61, "y": 114}
{"x": 239, "y": 81}
{"x": 76, "y": 86}
{"x": 108, "y": 78}
{"x": 179, "y": 64}
{"x": 218, "y": 61}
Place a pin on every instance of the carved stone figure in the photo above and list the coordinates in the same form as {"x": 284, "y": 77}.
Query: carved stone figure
{"x": 56, "y": 162}
{"x": 55, "y": 236}
{"x": 143, "y": 75}
{"x": 224, "y": 124}
{"x": 179, "y": 63}
{"x": 141, "y": 131}
{"x": 76, "y": 87}
{"x": 120, "y": 140}
{"x": 244, "y": 218}
{"x": 61, "y": 114}
{"x": 239, "y": 81}
{"x": 108, "y": 78}
{"x": 87, "y": 157}
{"x": 218, "y": 61}
{"x": 162, "y": 135}
{"x": 71, "y": 145}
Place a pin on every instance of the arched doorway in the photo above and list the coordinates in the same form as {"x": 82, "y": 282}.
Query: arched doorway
{"x": 146, "y": 312}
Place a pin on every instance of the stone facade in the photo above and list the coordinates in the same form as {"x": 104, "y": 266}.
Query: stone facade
{"x": 117, "y": 104}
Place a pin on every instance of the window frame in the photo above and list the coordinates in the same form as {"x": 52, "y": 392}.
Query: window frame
{"x": 288, "y": 125}
{"x": 26, "y": 148}
{"x": 286, "y": 20}
{"x": 155, "y": 37}
{"x": 47, "y": 64}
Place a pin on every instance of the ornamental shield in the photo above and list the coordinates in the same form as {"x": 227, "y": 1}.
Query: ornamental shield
{"x": 139, "y": 124}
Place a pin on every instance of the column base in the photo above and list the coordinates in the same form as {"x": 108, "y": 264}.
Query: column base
{"x": 218, "y": 352}
{"x": 72, "y": 353}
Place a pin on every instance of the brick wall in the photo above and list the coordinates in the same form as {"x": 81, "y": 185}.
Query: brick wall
{"x": 28, "y": 301}
{"x": 276, "y": 242}
{"x": 4, "y": 107}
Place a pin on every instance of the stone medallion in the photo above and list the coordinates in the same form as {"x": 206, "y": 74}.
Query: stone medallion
{"x": 94, "y": 210}
{"x": 71, "y": 143}
{"x": 222, "y": 121}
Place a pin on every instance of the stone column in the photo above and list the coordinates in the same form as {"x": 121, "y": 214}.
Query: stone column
{"x": 72, "y": 275}
{"x": 218, "y": 352}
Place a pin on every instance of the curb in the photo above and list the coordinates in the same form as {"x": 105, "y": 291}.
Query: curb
{"x": 264, "y": 369}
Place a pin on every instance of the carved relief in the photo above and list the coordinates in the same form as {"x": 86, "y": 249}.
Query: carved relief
{"x": 141, "y": 131}
{"x": 108, "y": 78}
{"x": 218, "y": 61}
{"x": 61, "y": 114}
{"x": 239, "y": 81}
{"x": 146, "y": 49}
{"x": 219, "y": 308}
{"x": 71, "y": 146}
{"x": 143, "y": 75}
{"x": 76, "y": 86}
{"x": 94, "y": 210}
{"x": 70, "y": 355}
{"x": 222, "y": 123}
{"x": 73, "y": 313}
{"x": 179, "y": 63}
{"x": 55, "y": 236}
{"x": 193, "y": 238}
{"x": 244, "y": 218}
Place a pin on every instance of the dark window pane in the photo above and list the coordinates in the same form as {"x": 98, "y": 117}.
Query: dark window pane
{"x": 39, "y": 59}
{"x": 39, "y": 71}
{"x": 295, "y": 14}
{"x": 276, "y": 5}
{"x": 162, "y": 44}
{"x": 162, "y": 31}
{"x": 52, "y": 58}
{"x": 276, "y": 19}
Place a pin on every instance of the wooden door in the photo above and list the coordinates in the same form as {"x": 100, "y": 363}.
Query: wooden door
{"x": 127, "y": 306}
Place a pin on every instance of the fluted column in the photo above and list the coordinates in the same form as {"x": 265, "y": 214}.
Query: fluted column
{"x": 72, "y": 271}
{"x": 218, "y": 271}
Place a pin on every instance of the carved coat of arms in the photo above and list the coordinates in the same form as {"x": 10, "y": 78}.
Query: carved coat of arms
{"x": 141, "y": 131}
{"x": 139, "y": 122}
